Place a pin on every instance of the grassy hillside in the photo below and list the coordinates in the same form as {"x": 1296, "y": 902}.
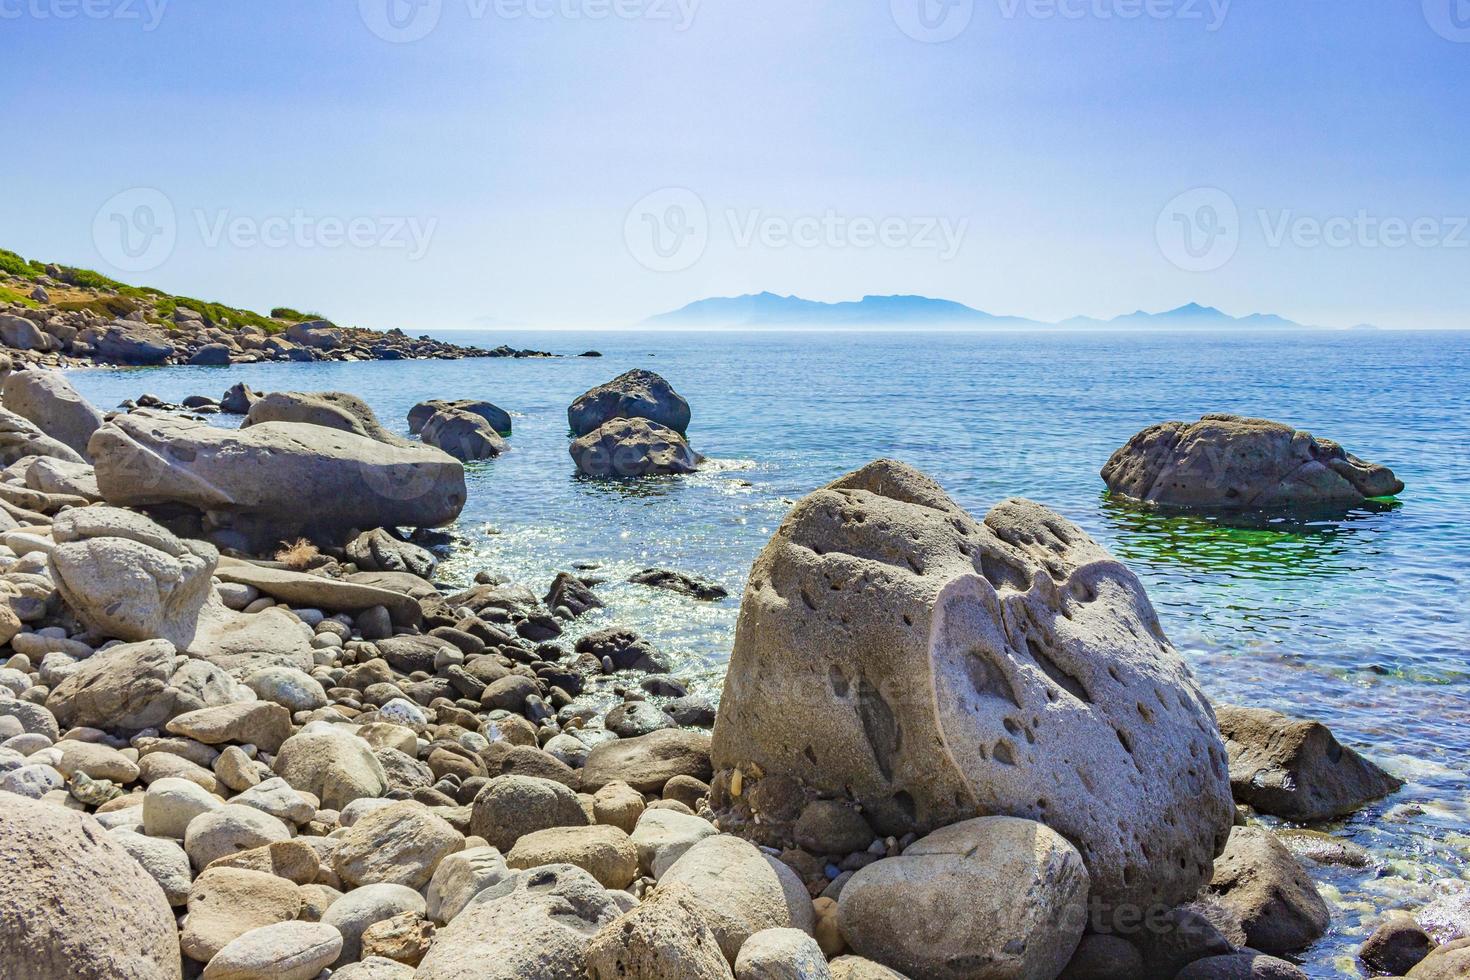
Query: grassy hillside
{"x": 86, "y": 289}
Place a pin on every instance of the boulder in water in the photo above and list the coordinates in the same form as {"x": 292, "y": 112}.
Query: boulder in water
{"x": 892, "y": 650}
{"x": 637, "y": 394}
{"x": 1296, "y": 769}
{"x": 238, "y": 399}
{"x": 420, "y": 414}
{"x": 1227, "y": 462}
{"x": 632, "y": 448}
{"x": 463, "y": 435}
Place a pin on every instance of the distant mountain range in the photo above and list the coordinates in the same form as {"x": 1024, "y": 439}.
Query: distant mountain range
{"x": 770, "y": 310}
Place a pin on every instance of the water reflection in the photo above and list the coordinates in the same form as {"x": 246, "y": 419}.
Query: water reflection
{"x": 1267, "y": 546}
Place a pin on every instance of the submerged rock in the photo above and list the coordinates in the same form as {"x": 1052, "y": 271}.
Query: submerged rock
{"x": 1229, "y": 462}
{"x": 636, "y": 394}
{"x": 892, "y": 649}
{"x": 671, "y": 581}
{"x": 1296, "y": 769}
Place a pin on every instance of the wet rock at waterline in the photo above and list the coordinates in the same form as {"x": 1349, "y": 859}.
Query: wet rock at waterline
{"x": 1296, "y": 769}
{"x": 636, "y": 394}
{"x": 1227, "y": 462}
{"x": 276, "y": 480}
{"x": 681, "y": 583}
{"x": 935, "y": 668}
{"x": 463, "y": 435}
{"x": 625, "y": 448}
{"x": 498, "y": 417}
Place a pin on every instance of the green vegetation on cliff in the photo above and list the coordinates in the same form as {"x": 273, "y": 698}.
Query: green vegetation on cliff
{"x": 113, "y": 298}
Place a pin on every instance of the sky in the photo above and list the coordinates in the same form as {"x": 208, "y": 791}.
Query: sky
{"x": 439, "y": 164}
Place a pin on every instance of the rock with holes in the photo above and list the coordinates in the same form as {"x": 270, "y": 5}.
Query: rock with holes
{"x": 1226, "y": 462}
{"x": 934, "y": 668}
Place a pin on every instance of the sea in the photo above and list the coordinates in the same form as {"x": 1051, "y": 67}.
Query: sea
{"x": 1358, "y": 619}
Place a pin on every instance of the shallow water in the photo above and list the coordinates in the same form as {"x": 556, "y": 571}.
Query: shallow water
{"x": 1359, "y": 620}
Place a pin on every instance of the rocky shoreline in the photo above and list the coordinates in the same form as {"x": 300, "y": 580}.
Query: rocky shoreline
{"x": 61, "y": 317}
{"x": 240, "y": 738}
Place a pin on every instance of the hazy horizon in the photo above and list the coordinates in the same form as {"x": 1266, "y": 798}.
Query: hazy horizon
{"x": 522, "y": 164}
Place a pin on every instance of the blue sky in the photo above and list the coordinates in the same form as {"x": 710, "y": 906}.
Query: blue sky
{"x": 592, "y": 162}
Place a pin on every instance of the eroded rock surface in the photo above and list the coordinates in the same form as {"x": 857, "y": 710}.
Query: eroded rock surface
{"x": 1228, "y": 462}
{"x": 935, "y": 668}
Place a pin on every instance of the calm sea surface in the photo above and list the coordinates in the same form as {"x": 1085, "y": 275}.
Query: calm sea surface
{"x": 1359, "y": 621}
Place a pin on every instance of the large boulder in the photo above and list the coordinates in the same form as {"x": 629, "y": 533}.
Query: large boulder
{"x": 62, "y": 898}
{"x": 276, "y": 480}
{"x": 463, "y": 435}
{"x": 419, "y": 415}
{"x": 1296, "y": 769}
{"x": 23, "y": 334}
{"x": 317, "y": 334}
{"x": 133, "y": 686}
{"x": 129, "y": 578}
{"x": 20, "y": 437}
{"x": 1258, "y": 879}
{"x": 637, "y": 394}
{"x": 632, "y": 448}
{"x": 1006, "y": 893}
{"x": 892, "y": 650}
{"x": 132, "y": 343}
{"x": 534, "y": 926}
{"x": 49, "y": 400}
{"x": 1227, "y": 462}
{"x": 332, "y": 409}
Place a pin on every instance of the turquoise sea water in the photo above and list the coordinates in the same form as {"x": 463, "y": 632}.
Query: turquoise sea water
{"x": 1359, "y": 620}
